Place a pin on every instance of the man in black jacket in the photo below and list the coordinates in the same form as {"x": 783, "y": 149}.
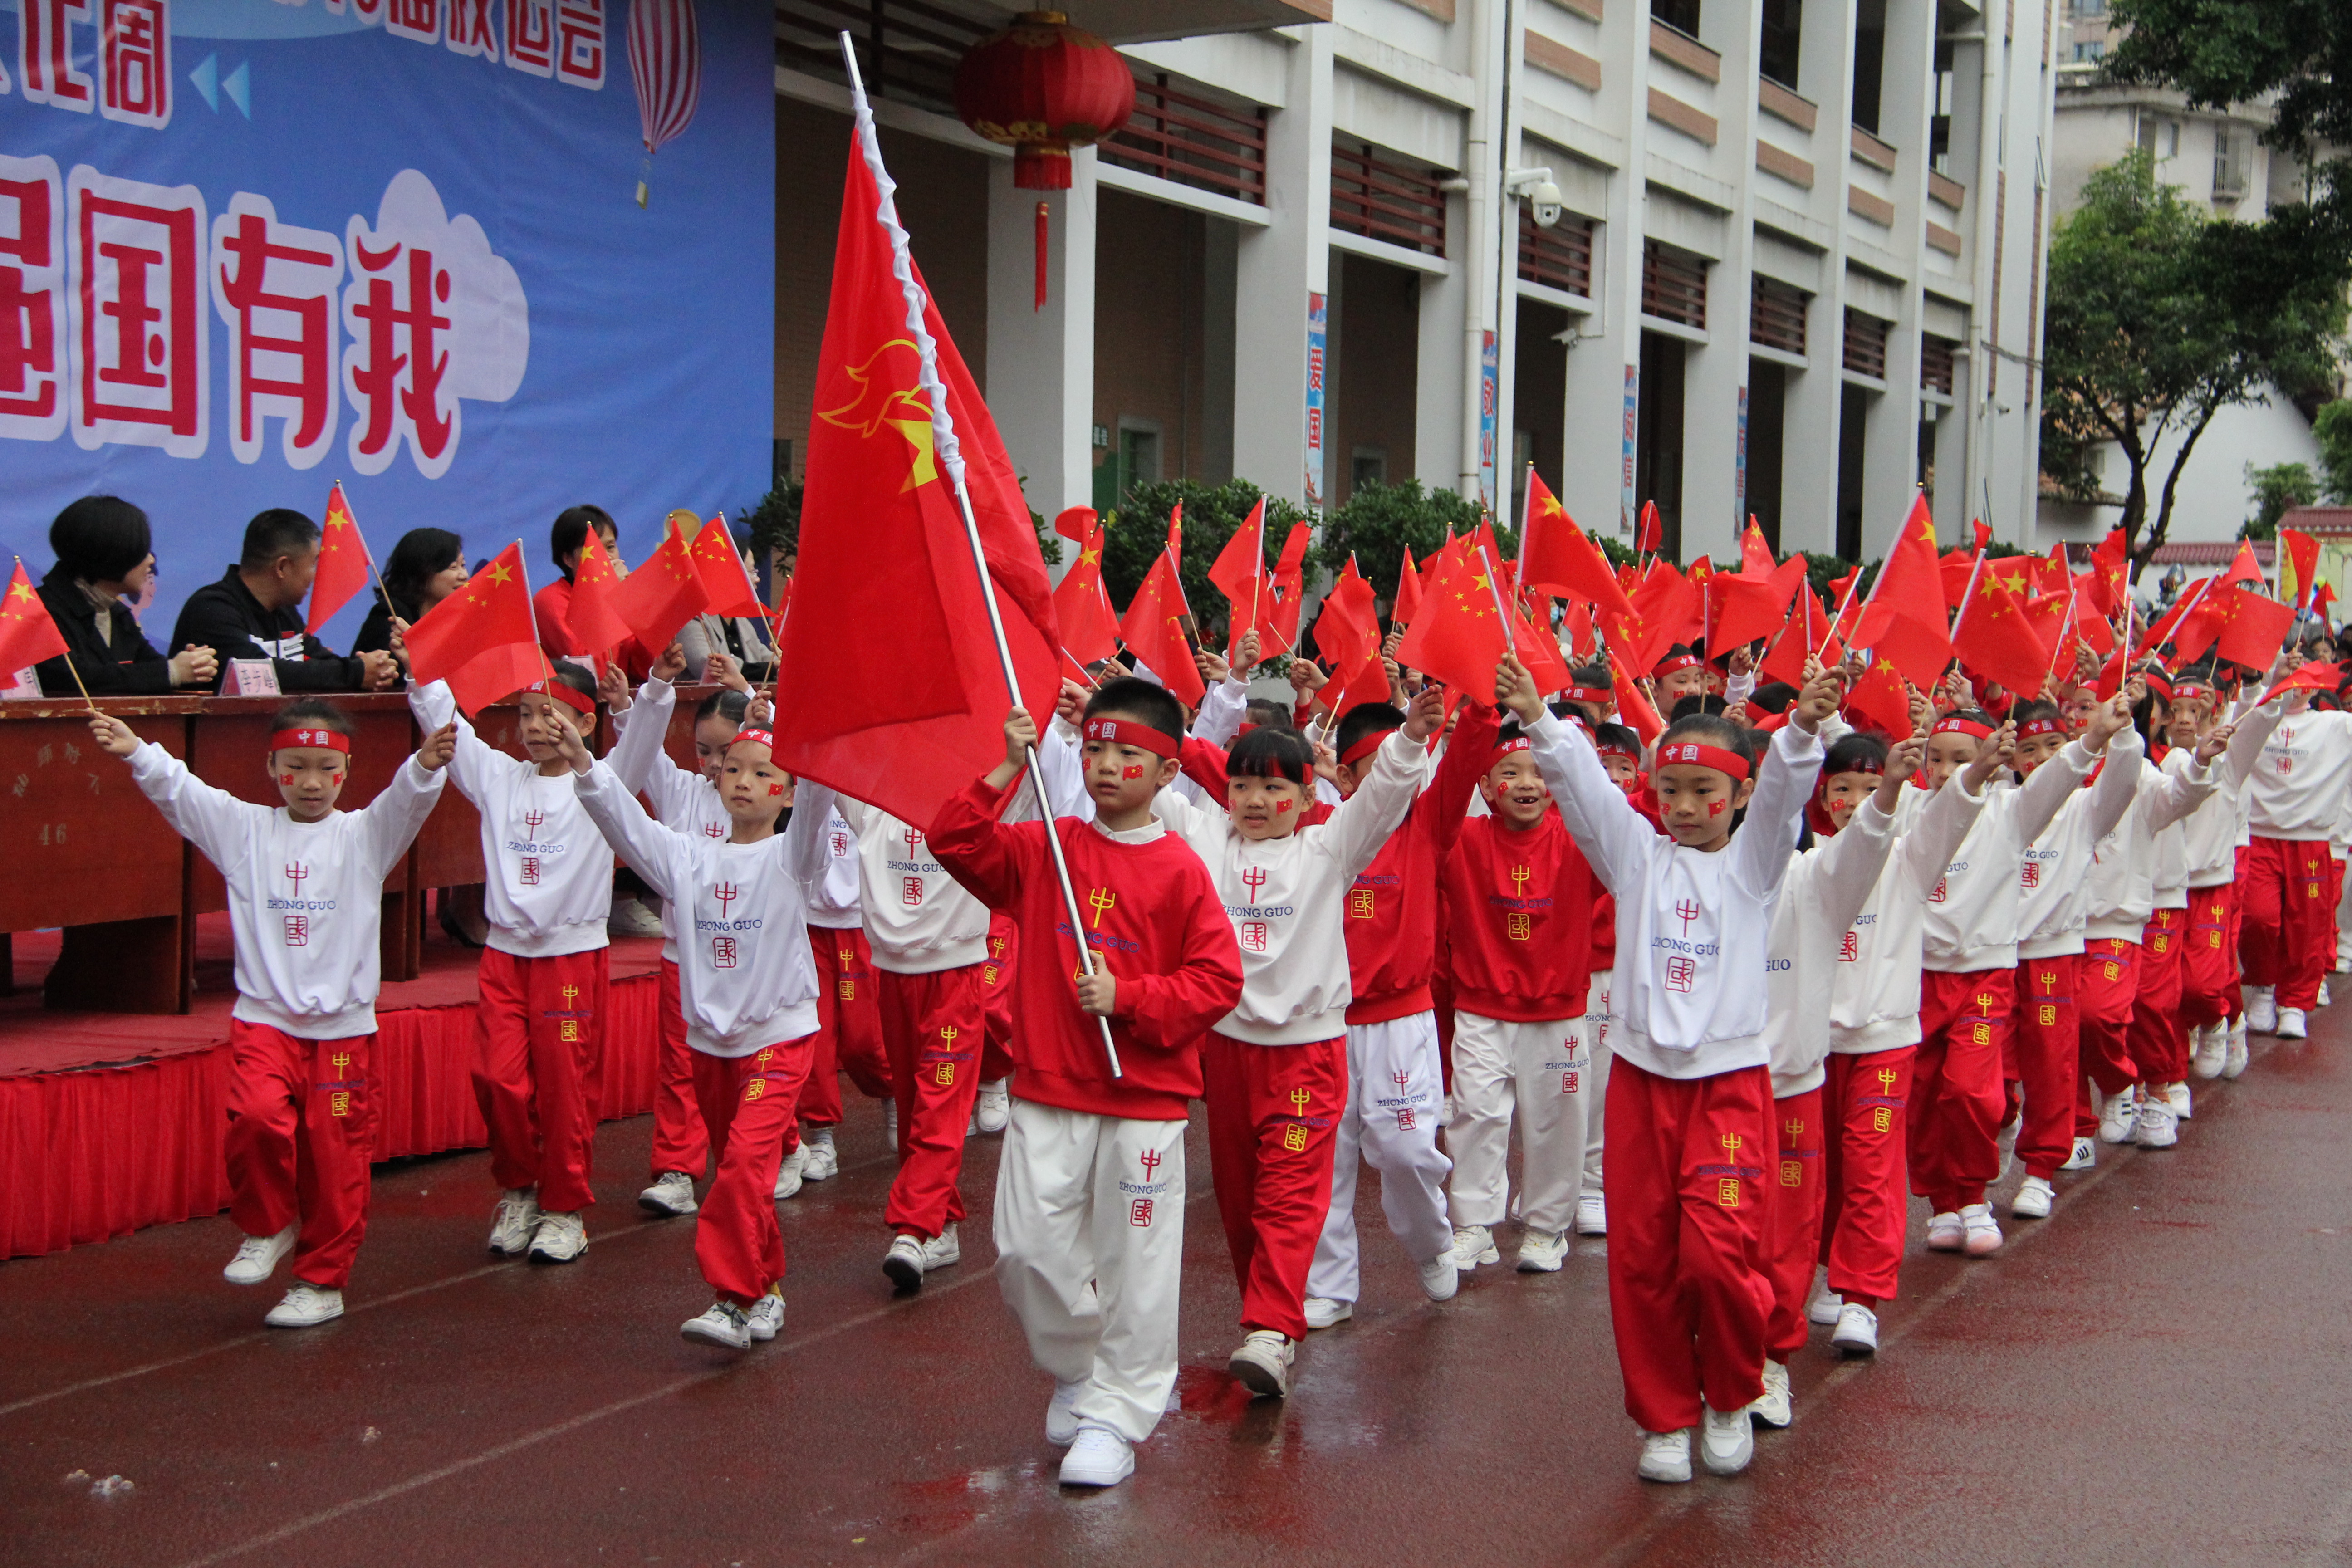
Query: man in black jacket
{"x": 255, "y": 612}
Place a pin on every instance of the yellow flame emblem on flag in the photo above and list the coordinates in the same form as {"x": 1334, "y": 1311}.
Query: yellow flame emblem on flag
{"x": 903, "y": 408}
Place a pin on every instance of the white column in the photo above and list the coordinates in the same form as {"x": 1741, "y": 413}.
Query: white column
{"x": 1604, "y": 357}
{"x": 1275, "y": 269}
{"x": 1891, "y": 454}
{"x": 1715, "y": 375}
{"x": 1041, "y": 364}
{"x": 1809, "y": 486}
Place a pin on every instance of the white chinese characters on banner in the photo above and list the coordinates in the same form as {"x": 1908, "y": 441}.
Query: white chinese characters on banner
{"x": 275, "y": 288}
{"x": 139, "y": 352}
{"x": 32, "y": 299}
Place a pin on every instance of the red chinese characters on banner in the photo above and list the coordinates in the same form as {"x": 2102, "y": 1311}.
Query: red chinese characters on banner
{"x": 579, "y": 42}
{"x": 138, "y": 369}
{"x": 273, "y": 286}
{"x": 417, "y": 20}
{"x": 32, "y": 299}
{"x": 134, "y": 61}
{"x": 531, "y": 35}
{"x": 45, "y": 53}
{"x": 470, "y": 30}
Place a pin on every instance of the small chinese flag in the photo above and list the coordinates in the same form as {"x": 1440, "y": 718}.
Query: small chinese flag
{"x": 1653, "y": 534}
{"x": 725, "y": 581}
{"x": 1905, "y": 615}
{"x": 1090, "y": 626}
{"x": 1880, "y": 698}
{"x": 1239, "y": 573}
{"x": 481, "y": 639}
{"x": 1634, "y": 710}
{"x": 1993, "y": 635}
{"x": 1750, "y": 606}
{"x": 1407, "y": 602}
{"x": 2314, "y": 676}
{"x": 1559, "y": 556}
{"x": 2254, "y": 627}
{"x": 1754, "y": 552}
{"x": 1154, "y": 630}
{"x": 1290, "y": 586}
{"x": 1348, "y": 633}
{"x": 2303, "y": 564}
{"x": 27, "y": 635}
{"x": 1076, "y": 523}
{"x": 1809, "y": 623}
{"x": 1458, "y": 638}
{"x": 592, "y": 621}
{"x": 663, "y": 594}
{"x": 343, "y": 569}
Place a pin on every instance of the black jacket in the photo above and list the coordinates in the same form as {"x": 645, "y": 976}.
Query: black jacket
{"x": 375, "y": 632}
{"x": 125, "y": 666}
{"x": 225, "y": 618}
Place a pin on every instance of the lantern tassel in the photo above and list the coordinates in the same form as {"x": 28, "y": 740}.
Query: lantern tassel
{"x": 1042, "y": 221}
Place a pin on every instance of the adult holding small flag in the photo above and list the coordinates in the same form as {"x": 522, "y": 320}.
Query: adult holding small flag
{"x": 105, "y": 559}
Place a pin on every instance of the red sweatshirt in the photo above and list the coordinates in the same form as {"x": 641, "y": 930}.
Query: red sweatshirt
{"x": 1152, "y": 916}
{"x": 1519, "y": 908}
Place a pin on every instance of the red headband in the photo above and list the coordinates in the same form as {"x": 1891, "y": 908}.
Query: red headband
{"x": 2033, "y": 727}
{"x": 1617, "y": 749}
{"x": 334, "y": 740}
{"x": 1129, "y": 733}
{"x": 1367, "y": 745}
{"x": 756, "y": 737}
{"x": 1504, "y": 748}
{"x": 563, "y": 693}
{"x": 2188, "y": 688}
{"x": 1953, "y": 725}
{"x": 1704, "y": 755}
{"x": 1599, "y": 694}
{"x": 1674, "y": 663}
{"x": 2157, "y": 684}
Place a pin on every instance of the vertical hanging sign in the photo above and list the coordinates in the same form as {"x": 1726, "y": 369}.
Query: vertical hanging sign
{"x": 1489, "y": 396}
{"x": 1739, "y": 472}
{"x": 1317, "y": 360}
{"x": 1632, "y": 424}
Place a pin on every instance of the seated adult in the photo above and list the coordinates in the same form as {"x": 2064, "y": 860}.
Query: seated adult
{"x": 255, "y": 612}
{"x": 105, "y": 555}
{"x": 426, "y": 567}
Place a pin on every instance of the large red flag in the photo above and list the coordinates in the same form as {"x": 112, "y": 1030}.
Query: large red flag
{"x": 1089, "y": 625}
{"x": 901, "y": 694}
{"x": 1153, "y": 627}
{"x": 28, "y": 633}
{"x": 1559, "y": 556}
{"x": 594, "y": 622}
{"x": 663, "y": 594}
{"x": 1459, "y": 640}
{"x": 344, "y": 569}
{"x": 1994, "y": 637}
{"x": 726, "y": 582}
{"x": 482, "y": 639}
{"x": 1407, "y": 602}
{"x": 1905, "y": 615}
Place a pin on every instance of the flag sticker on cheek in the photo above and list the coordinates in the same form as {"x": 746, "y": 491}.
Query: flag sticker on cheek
{"x": 1715, "y": 807}
{"x": 286, "y": 779}
{"x": 1280, "y": 806}
{"x": 775, "y": 789}
{"x": 1131, "y": 772}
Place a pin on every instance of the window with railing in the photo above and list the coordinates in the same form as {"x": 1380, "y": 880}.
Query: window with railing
{"x": 1776, "y": 315}
{"x": 1560, "y": 257}
{"x": 907, "y": 49}
{"x": 1380, "y": 195}
{"x": 1935, "y": 359}
{"x": 1185, "y": 134}
{"x": 1674, "y": 284}
{"x": 1866, "y": 344}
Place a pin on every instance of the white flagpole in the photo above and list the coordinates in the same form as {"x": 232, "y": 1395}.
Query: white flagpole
{"x": 950, "y": 457}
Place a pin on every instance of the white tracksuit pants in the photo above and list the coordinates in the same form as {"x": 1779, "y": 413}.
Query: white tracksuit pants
{"x": 1090, "y": 1252}
{"x": 1396, "y": 1088}
{"x": 1596, "y": 1083}
{"x": 1543, "y": 1070}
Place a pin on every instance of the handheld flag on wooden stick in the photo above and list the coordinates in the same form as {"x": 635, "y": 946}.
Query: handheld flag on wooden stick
{"x": 344, "y": 564}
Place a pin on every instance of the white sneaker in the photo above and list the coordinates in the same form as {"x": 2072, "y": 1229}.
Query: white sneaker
{"x": 672, "y": 1194}
{"x": 942, "y": 1251}
{"x": 2177, "y": 1096}
{"x": 1542, "y": 1251}
{"x": 1825, "y": 1308}
{"x": 1775, "y": 1406}
{"x": 306, "y": 1307}
{"x": 903, "y": 1262}
{"x": 559, "y": 1238}
{"x": 1592, "y": 1215}
{"x": 2115, "y": 1113}
{"x": 1980, "y": 1236}
{"x": 791, "y": 1172}
{"x": 2158, "y": 1127}
{"x": 1727, "y": 1440}
{"x": 724, "y": 1324}
{"x": 2292, "y": 1024}
{"x": 1945, "y": 1233}
{"x": 1473, "y": 1245}
{"x": 1062, "y": 1412}
{"x": 516, "y": 1219}
{"x": 1322, "y": 1311}
{"x": 1262, "y": 1362}
{"x": 2033, "y": 1200}
{"x": 1098, "y": 1457}
{"x": 2085, "y": 1157}
{"x": 630, "y": 918}
{"x": 257, "y": 1256}
{"x": 2234, "y": 1062}
{"x": 1857, "y": 1330}
{"x": 821, "y": 1162}
{"x": 1666, "y": 1457}
{"x": 992, "y": 1109}
{"x": 2261, "y": 1009}
{"x": 1438, "y": 1278}
{"x": 766, "y": 1315}
{"x": 2207, "y": 1047}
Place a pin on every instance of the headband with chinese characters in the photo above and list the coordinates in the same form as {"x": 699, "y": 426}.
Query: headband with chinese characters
{"x": 1675, "y": 662}
{"x": 334, "y": 740}
{"x": 1953, "y": 725}
{"x": 1129, "y": 733}
{"x": 755, "y": 738}
{"x": 1366, "y": 746}
{"x": 1620, "y": 749}
{"x": 578, "y": 701}
{"x": 1505, "y": 750}
{"x": 1599, "y": 694}
{"x": 2188, "y": 688}
{"x": 2033, "y": 727}
{"x": 1677, "y": 752}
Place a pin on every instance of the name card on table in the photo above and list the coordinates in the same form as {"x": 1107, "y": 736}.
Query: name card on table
{"x": 24, "y": 687}
{"x": 251, "y": 677}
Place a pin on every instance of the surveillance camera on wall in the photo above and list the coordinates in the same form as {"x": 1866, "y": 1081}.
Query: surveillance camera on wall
{"x": 1543, "y": 200}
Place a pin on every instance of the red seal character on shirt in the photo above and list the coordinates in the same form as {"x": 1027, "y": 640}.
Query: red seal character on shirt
{"x": 1360, "y": 903}
{"x": 1680, "y": 972}
{"x": 1849, "y": 948}
{"x": 1253, "y": 936}
{"x": 2031, "y": 878}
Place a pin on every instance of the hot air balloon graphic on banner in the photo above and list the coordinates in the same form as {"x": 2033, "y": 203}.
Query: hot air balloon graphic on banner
{"x": 666, "y": 62}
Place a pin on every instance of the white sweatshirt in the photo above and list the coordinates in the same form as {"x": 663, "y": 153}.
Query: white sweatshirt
{"x": 550, "y": 875}
{"x": 1972, "y": 916}
{"x": 1691, "y": 925}
{"x": 2215, "y": 830}
{"x": 304, "y": 899}
{"x": 1826, "y": 888}
{"x": 2297, "y": 789}
{"x": 1285, "y": 896}
{"x": 2125, "y": 864}
{"x": 2054, "y": 885}
{"x": 680, "y": 797}
{"x": 919, "y": 918}
{"x": 837, "y": 901}
{"x": 746, "y": 978}
{"x": 1874, "y": 997}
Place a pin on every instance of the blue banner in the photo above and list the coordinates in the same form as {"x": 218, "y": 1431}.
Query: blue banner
{"x": 478, "y": 259}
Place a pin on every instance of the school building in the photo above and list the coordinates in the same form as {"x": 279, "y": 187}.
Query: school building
{"x": 1781, "y": 257}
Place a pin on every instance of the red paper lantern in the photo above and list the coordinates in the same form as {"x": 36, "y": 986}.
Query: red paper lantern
{"x": 1042, "y": 87}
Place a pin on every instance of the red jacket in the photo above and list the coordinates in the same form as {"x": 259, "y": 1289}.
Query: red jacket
{"x": 1152, "y": 916}
{"x": 1519, "y": 908}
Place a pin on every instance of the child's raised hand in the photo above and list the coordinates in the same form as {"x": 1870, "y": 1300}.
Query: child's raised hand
{"x": 720, "y": 669}
{"x": 1992, "y": 756}
{"x": 2107, "y": 721}
{"x": 567, "y": 740}
{"x": 1214, "y": 669}
{"x": 2215, "y": 743}
{"x": 1902, "y": 759}
{"x": 1306, "y": 677}
{"x": 1743, "y": 662}
{"x": 1426, "y": 717}
{"x": 1249, "y": 649}
{"x": 759, "y": 714}
{"x": 613, "y": 686}
{"x": 1922, "y": 712}
{"x": 1515, "y": 688}
{"x": 670, "y": 665}
{"x": 1020, "y": 735}
{"x": 438, "y": 748}
{"x": 1818, "y": 700}
{"x": 113, "y": 736}
{"x": 1070, "y": 707}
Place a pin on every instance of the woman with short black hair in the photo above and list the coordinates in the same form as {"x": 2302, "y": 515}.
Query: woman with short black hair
{"x": 105, "y": 554}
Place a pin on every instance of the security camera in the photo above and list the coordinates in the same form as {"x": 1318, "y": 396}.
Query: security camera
{"x": 1543, "y": 200}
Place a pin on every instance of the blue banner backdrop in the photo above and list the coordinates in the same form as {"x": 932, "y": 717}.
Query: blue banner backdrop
{"x": 250, "y": 247}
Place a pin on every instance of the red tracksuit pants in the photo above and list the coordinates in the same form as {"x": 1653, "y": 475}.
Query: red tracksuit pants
{"x": 1956, "y": 1090}
{"x": 2288, "y": 913}
{"x": 680, "y": 1141}
{"x": 2106, "y": 981}
{"x": 1792, "y": 1226}
{"x": 933, "y": 1025}
{"x": 1865, "y": 1106}
{"x": 747, "y": 1102}
{"x": 539, "y": 1054}
{"x": 2209, "y": 974}
{"x": 2046, "y": 1054}
{"x": 301, "y": 1130}
{"x": 1274, "y": 1118}
{"x": 1688, "y": 1295}
{"x": 2157, "y": 1039}
{"x": 996, "y": 986}
{"x": 848, "y": 1035}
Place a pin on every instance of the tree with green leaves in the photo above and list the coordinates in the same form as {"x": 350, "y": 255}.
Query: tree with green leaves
{"x": 2159, "y": 318}
{"x": 2278, "y": 490}
{"x": 1378, "y": 522}
{"x": 1139, "y": 531}
{"x": 2333, "y": 429}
